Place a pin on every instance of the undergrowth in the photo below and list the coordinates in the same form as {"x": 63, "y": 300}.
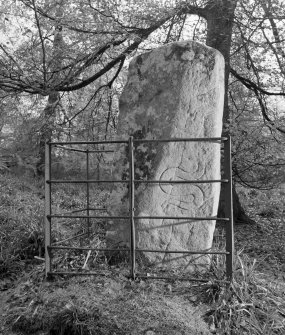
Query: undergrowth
{"x": 253, "y": 304}
{"x": 113, "y": 304}
{"x": 250, "y": 305}
{"x": 22, "y": 220}
{"x": 265, "y": 241}
{"x": 102, "y": 305}
{"x": 21, "y": 223}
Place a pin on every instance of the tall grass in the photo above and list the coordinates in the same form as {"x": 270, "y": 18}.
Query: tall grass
{"x": 249, "y": 304}
{"x": 21, "y": 223}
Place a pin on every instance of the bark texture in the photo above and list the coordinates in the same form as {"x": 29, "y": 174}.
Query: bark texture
{"x": 220, "y": 19}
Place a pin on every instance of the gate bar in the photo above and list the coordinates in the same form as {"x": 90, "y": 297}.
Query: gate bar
{"x": 185, "y": 252}
{"x": 47, "y": 208}
{"x": 132, "y": 207}
{"x": 82, "y": 181}
{"x": 90, "y": 142}
{"x": 177, "y": 279}
{"x": 182, "y": 139}
{"x": 84, "y": 209}
{"x": 92, "y": 273}
{"x": 229, "y": 210}
{"x": 68, "y": 239}
{"x": 87, "y": 194}
{"x": 69, "y": 149}
{"x": 138, "y": 217}
{"x": 181, "y": 181}
{"x": 81, "y": 150}
{"x": 59, "y": 247}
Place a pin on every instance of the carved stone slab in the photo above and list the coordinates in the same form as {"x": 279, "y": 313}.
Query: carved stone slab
{"x": 175, "y": 91}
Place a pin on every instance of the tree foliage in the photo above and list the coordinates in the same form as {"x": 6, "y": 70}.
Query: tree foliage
{"x": 74, "y": 54}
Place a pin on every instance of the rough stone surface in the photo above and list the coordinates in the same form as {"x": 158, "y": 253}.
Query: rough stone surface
{"x": 175, "y": 91}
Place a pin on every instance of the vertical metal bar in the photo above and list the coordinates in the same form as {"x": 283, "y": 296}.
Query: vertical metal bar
{"x": 132, "y": 208}
{"x": 47, "y": 208}
{"x": 87, "y": 193}
{"x": 229, "y": 209}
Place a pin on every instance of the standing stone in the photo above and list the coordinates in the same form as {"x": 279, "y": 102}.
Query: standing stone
{"x": 175, "y": 91}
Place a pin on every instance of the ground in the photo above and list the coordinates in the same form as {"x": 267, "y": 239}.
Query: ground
{"x": 113, "y": 304}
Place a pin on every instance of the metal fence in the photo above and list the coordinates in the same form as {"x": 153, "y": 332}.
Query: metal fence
{"x": 131, "y": 217}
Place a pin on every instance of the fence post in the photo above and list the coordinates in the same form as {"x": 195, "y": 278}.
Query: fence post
{"x": 47, "y": 208}
{"x": 132, "y": 207}
{"x": 229, "y": 209}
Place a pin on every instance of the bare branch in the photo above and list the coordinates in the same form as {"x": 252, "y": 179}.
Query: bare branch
{"x": 252, "y": 86}
{"x": 143, "y": 34}
{"x": 186, "y": 8}
{"x": 42, "y": 42}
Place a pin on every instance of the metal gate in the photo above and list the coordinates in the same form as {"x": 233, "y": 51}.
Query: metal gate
{"x": 131, "y": 217}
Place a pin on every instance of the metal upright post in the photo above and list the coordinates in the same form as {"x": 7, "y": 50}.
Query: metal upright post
{"x": 229, "y": 209}
{"x": 132, "y": 207}
{"x": 47, "y": 208}
{"x": 87, "y": 193}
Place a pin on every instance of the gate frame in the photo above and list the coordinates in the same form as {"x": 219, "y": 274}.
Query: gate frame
{"x": 228, "y": 219}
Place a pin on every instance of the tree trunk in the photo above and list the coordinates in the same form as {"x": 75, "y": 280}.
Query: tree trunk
{"x": 220, "y": 18}
{"x": 46, "y": 130}
{"x": 239, "y": 214}
{"x": 53, "y": 97}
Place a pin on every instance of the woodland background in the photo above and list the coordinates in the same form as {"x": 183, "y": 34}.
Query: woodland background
{"x": 63, "y": 65}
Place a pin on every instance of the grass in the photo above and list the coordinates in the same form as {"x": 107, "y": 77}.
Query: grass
{"x": 101, "y": 305}
{"x": 249, "y": 305}
{"x": 21, "y": 220}
{"x": 110, "y": 303}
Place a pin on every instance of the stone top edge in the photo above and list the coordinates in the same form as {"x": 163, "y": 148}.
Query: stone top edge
{"x": 187, "y": 45}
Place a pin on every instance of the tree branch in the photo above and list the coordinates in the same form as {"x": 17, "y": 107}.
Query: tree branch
{"x": 42, "y": 42}
{"x": 186, "y": 8}
{"x": 142, "y": 35}
{"x": 252, "y": 86}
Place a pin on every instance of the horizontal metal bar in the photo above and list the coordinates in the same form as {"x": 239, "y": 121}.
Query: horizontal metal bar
{"x": 183, "y": 279}
{"x": 197, "y": 139}
{"x": 89, "y": 181}
{"x": 73, "y": 273}
{"x": 184, "y": 252}
{"x": 142, "y": 250}
{"x": 75, "y": 211}
{"x": 89, "y": 142}
{"x": 83, "y": 181}
{"x": 182, "y": 217}
{"x": 98, "y": 151}
{"x": 82, "y": 150}
{"x": 89, "y": 216}
{"x": 70, "y": 149}
{"x": 71, "y": 238}
{"x": 84, "y": 209}
{"x": 172, "y": 278}
{"x": 138, "y": 217}
{"x": 182, "y": 181}
{"x": 59, "y": 247}
{"x": 78, "y": 210}
{"x": 172, "y": 224}
{"x": 92, "y": 273}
